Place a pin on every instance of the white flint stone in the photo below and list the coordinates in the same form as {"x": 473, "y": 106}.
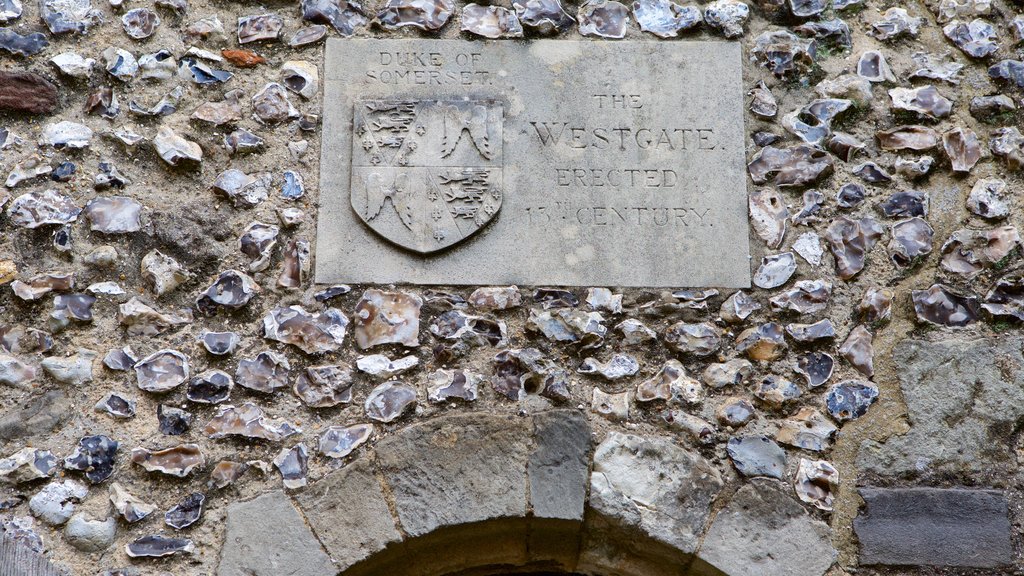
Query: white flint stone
{"x": 174, "y": 149}
{"x": 808, "y": 246}
{"x": 120, "y": 63}
{"x": 73, "y": 64}
{"x": 55, "y": 503}
{"x": 381, "y": 365}
{"x": 301, "y": 77}
{"x": 66, "y": 134}
{"x": 90, "y": 535}
{"x": 163, "y": 272}
{"x": 75, "y": 370}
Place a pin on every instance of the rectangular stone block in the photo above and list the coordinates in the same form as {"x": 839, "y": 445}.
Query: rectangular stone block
{"x": 349, "y": 514}
{"x": 937, "y": 527}
{"x": 546, "y": 162}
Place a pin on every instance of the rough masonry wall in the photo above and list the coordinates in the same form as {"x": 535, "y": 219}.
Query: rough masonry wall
{"x": 161, "y": 183}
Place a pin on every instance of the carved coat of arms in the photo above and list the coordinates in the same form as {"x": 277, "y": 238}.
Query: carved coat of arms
{"x": 426, "y": 174}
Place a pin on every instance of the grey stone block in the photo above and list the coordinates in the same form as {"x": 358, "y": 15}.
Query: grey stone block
{"x": 764, "y": 531}
{"x": 938, "y": 527}
{"x": 348, "y": 512}
{"x": 639, "y": 169}
{"x": 266, "y": 536}
{"x": 457, "y": 470}
{"x": 38, "y": 415}
{"x": 559, "y": 465}
{"x": 649, "y": 500}
{"x": 958, "y": 393}
{"x": 656, "y": 485}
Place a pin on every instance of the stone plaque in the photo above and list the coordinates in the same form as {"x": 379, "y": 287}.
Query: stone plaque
{"x": 550, "y": 162}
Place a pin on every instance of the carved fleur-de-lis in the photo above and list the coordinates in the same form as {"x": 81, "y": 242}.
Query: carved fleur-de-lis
{"x": 412, "y": 145}
{"x": 421, "y": 130}
{"x": 375, "y": 159}
{"x": 439, "y": 234}
{"x": 437, "y": 214}
{"x": 403, "y": 161}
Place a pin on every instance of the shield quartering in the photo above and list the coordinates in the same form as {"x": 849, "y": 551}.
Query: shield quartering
{"x": 427, "y": 174}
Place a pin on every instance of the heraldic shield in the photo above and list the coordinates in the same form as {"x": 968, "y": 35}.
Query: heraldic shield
{"x": 427, "y": 174}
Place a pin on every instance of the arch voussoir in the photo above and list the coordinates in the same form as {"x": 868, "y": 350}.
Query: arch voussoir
{"x": 481, "y": 494}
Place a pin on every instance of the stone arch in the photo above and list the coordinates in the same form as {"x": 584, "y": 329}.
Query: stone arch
{"x": 482, "y": 494}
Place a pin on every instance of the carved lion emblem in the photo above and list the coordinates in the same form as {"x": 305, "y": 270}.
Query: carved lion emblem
{"x": 427, "y": 174}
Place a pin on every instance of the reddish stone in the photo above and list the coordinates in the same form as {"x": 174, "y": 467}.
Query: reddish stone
{"x": 243, "y": 58}
{"x": 26, "y": 92}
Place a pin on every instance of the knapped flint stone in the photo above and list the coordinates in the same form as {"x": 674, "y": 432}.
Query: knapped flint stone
{"x": 344, "y": 15}
{"x": 186, "y": 512}
{"x": 422, "y": 14}
{"x": 800, "y": 165}
{"x": 1008, "y": 70}
{"x": 653, "y": 486}
{"x": 481, "y": 473}
{"x": 764, "y": 530}
{"x": 340, "y": 441}
{"x": 665, "y": 18}
{"x": 10, "y": 10}
{"x": 47, "y": 207}
{"x": 94, "y": 456}
{"x": 727, "y": 16}
{"x": 491, "y": 21}
{"x": 157, "y": 546}
{"x": 347, "y": 512}
{"x": 22, "y": 45}
{"x": 292, "y": 463}
{"x": 177, "y": 461}
{"x": 62, "y": 16}
{"x": 603, "y": 18}
{"x": 315, "y": 333}
{"x": 757, "y": 456}
{"x": 545, "y": 15}
{"x": 934, "y": 527}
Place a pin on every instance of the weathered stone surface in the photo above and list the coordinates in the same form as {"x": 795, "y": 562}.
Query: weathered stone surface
{"x": 653, "y": 486}
{"x": 936, "y": 527}
{"x": 349, "y": 514}
{"x": 378, "y": 217}
{"x": 26, "y": 92}
{"x": 19, "y": 558}
{"x": 36, "y": 416}
{"x": 559, "y": 465}
{"x": 959, "y": 395}
{"x": 476, "y": 471}
{"x": 763, "y": 530}
{"x": 267, "y": 536}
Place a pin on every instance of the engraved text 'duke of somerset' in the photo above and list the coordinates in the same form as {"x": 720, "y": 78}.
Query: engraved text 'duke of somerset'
{"x": 557, "y": 162}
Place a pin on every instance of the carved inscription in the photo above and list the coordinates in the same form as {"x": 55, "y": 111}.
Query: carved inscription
{"x": 629, "y": 141}
{"x": 426, "y": 174}
{"x": 429, "y": 69}
{"x": 549, "y": 162}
